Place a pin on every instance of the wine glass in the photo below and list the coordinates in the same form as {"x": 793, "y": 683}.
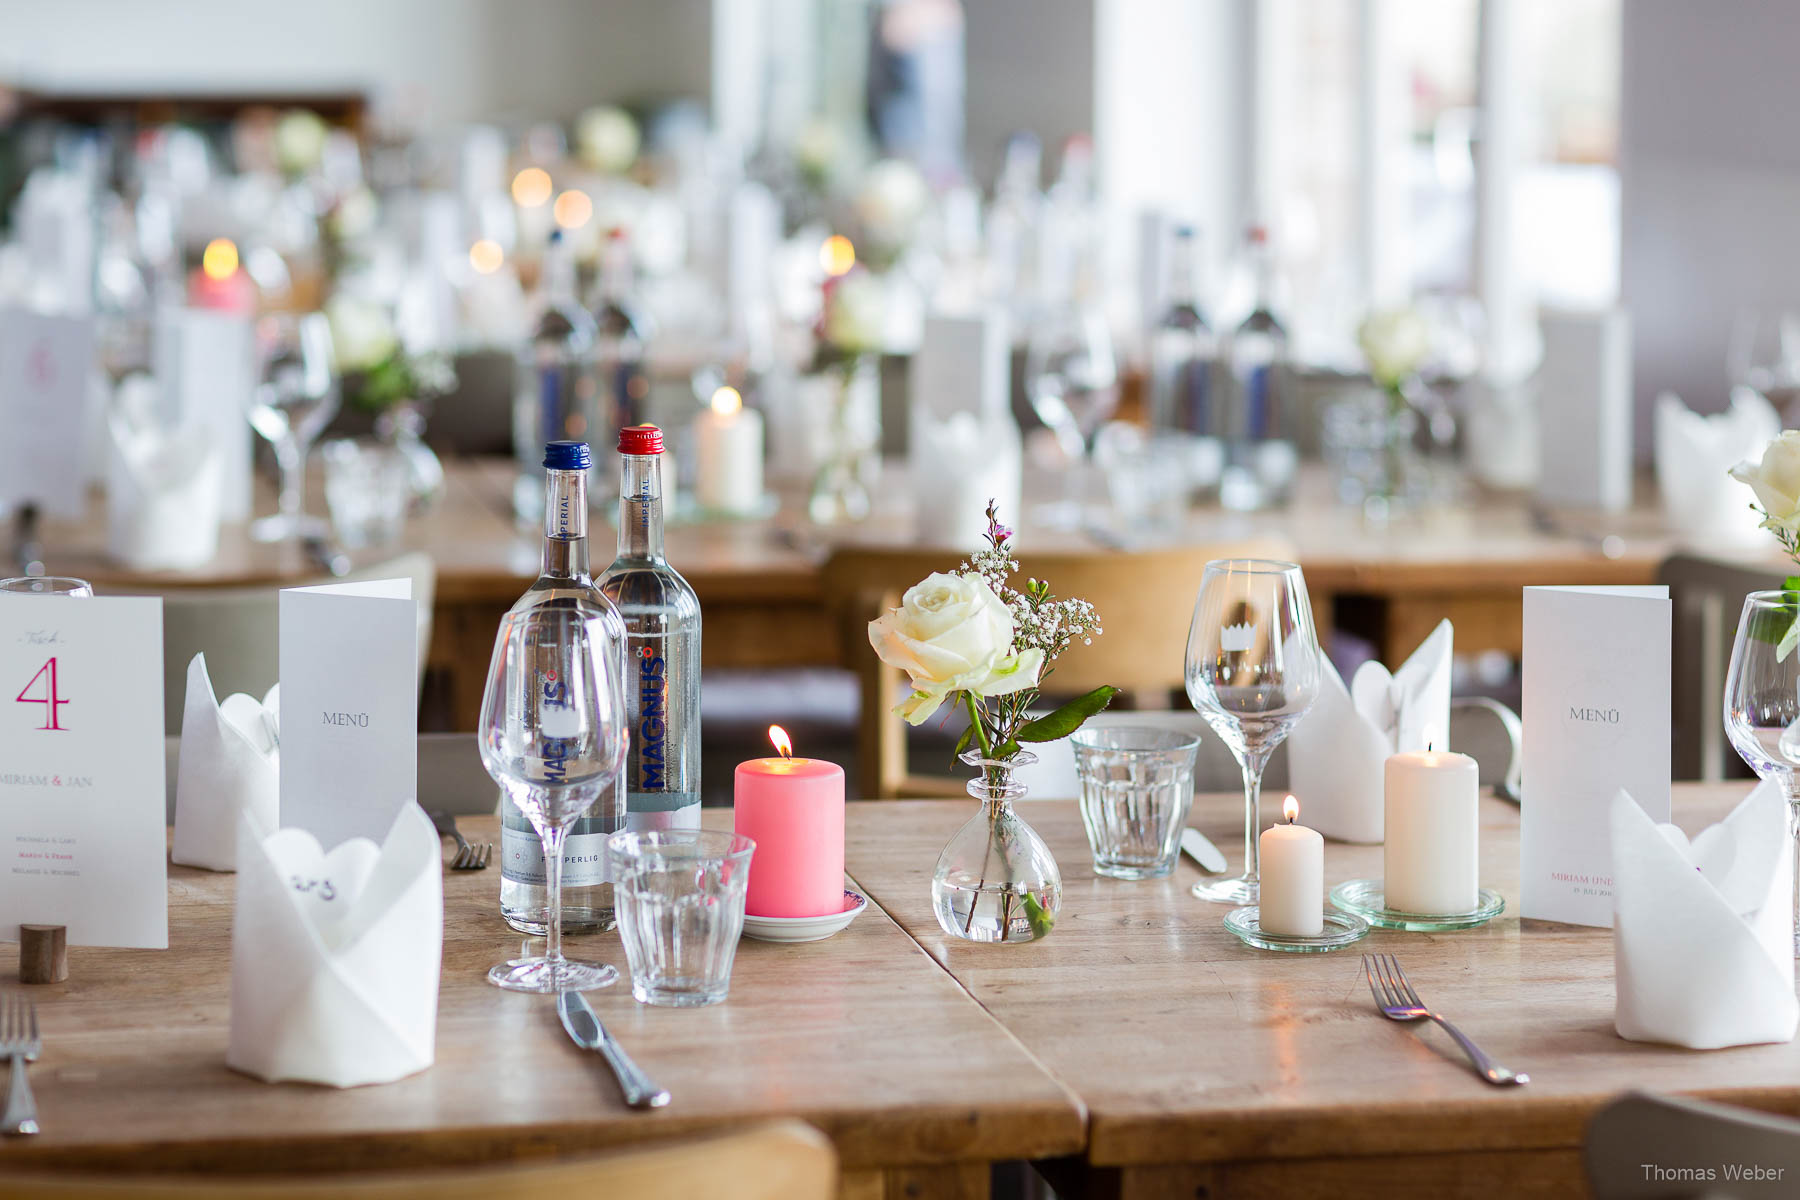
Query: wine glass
{"x": 294, "y": 400}
{"x": 553, "y": 735}
{"x": 1252, "y": 673}
{"x": 1762, "y": 701}
{"x": 1764, "y": 354}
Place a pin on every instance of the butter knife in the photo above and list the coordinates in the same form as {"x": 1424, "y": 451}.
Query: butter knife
{"x": 587, "y": 1031}
{"x": 1201, "y": 850}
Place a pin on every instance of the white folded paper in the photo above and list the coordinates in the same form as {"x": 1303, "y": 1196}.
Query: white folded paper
{"x": 1336, "y": 754}
{"x": 1703, "y": 949}
{"x": 230, "y": 764}
{"x": 163, "y": 491}
{"x": 959, "y": 465}
{"x": 335, "y": 957}
{"x": 1694, "y": 454}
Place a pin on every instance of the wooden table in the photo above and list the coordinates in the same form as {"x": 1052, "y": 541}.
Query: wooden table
{"x": 863, "y": 1036}
{"x": 1211, "y": 1069}
{"x": 759, "y": 581}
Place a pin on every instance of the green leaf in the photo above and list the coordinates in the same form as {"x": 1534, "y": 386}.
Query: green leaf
{"x": 1041, "y": 919}
{"x": 1791, "y": 584}
{"x": 962, "y": 743}
{"x": 1067, "y": 719}
{"x": 1788, "y": 641}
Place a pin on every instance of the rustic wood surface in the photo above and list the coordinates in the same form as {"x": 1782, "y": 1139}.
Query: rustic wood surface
{"x": 861, "y": 1035}
{"x": 1205, "y": 1063}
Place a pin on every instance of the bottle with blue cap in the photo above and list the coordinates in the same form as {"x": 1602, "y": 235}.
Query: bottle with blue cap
{"x": 555, "y": 393}
{"x": 587, "y": 893}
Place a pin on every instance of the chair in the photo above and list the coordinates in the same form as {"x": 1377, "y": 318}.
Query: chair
{"x": 1706, "y": 598}
{"x": 1145, "y": 600}
{"x": 782, "y": 1160}
{"x": 1643, "y": 1146}
{"x": 236, "y": 628}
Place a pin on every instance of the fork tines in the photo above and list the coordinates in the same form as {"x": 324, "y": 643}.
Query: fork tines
{"x": 472, "y": 858}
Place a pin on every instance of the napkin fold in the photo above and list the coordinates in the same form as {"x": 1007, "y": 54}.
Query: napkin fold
{"x": 1703, "y": 949}
{"x": 959, "y": 464}
{"x": 335, "y": 958}
{"x": 230, "y": 764}
{"x": 1338, "y": 751}
{"x": 1694, "y": 455}
{"x": 164, "y": 492}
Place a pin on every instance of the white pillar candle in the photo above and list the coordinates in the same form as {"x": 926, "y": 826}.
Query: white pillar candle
{"x": 1292, "y": 859}
{"x": 1433, "y": 833}
{"x": 729, "y": 441}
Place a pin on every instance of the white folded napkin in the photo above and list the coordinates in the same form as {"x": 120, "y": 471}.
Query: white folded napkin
{"x": 164, "y": 492}
{"x": 230, "y": 764}
{"x": 958, "y": 465}
{"x": 335, "y": 957}
{"x": 1694, "y": 454}
{"x": 1703, "y": 931}
{"x": 1337, "y": 752}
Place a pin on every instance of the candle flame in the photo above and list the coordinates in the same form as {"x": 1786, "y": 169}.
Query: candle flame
{"x": 782, "y": 741}
{"x": 532, "y": 187}
{"x": 837, "y": 255}
{"x": 726, "y": 401}
{"x": 573, "y": 209}
{"x": 220, "y": 259}
{"x": 1290, "y": 808}
{"x": 486, "y": 256}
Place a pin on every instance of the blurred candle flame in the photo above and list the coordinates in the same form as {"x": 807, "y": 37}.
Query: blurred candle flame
{"x": 726, "y": 401}
{"x": 486, "y": 256}
{"x": 220, "y": 259}
{"x": 783, "y": 742}
{"x": 531, "y": 187}
{"x": 573, "y": 209}
{"x": 837, "y": 255}
{"x": 1290, "y": 808}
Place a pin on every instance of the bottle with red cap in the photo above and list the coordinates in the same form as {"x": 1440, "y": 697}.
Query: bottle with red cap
{"x": 662, "y": 640}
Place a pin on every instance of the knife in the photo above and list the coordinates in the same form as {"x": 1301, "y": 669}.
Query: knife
{"x": 1202, "y": 851}
{"x": 583, "y": 1026}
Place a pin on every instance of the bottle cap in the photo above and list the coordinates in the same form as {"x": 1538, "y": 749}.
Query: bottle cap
{"x": 567, "y": 456}
{"x": 640, "y": 439}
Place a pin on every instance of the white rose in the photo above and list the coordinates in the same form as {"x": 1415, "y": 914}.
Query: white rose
{"x": 951, "y": 633}
{"x": 891, "y": 201}
{"x": 300, "y": 140}
{"x": 607, "y": 138}
{"x": 1776, "y": 481}
{"x": 856, "y": 313}
{"x": 1395, "y": 341}
{"x": 362, "y": 335}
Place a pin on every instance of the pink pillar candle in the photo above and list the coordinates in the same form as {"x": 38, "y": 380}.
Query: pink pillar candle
{"x": 793, "y": 809}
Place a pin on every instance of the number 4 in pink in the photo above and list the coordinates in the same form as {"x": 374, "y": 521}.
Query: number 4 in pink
{"x": 50, "y": 699}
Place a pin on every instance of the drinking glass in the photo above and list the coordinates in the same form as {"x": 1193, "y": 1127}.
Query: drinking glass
{"x": 1762, "y": 703}
{"x": 680, "y": 897}
{"x": 1764, "y": 354}
{"x": 552, "y": 734}
{"x": 1136, "y": 784}
{"x": 294, "y": 400}
{"x": 367, "y": 488}
{"x": 47, "y": 585}
{"x": 1252, "y": 673}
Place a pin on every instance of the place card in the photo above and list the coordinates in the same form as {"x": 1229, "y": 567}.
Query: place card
{"x": 1596, "y": 720}
{"x": 206, "y": 363}
{"x": 349, "y": 708}
{"x": 81, "y": 769}
{"x": 44, "y": 409}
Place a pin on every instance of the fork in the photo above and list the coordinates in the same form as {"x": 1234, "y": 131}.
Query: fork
{"x": 1395, "y": 997}
{"x": 468, "y": 858}
{"x": 19, "y": 1044}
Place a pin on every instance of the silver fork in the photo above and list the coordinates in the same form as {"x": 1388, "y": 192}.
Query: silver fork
{"x": 19, "y": 1044}
{"x": 467, "y": 857}
{"x": 1397, "y": 1001}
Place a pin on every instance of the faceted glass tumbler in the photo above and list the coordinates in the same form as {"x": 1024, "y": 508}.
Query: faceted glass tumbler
{"x": 1137, "y": 783}
{"x": 680, "y": 901}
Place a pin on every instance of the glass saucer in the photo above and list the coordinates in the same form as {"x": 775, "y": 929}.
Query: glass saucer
{"x": 1367, "y": 899}
{"x": 1341, "y": 929}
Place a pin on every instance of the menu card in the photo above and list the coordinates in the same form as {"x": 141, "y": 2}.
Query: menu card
{"x": 82, "y": 841}
{"x": 44, "y": 366}
{"x": 349, "y": 708}
{"x": 1596, "y": 720}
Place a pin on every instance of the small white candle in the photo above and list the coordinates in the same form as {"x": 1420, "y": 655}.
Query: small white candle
{"x": 1292, "y": 860}
{"x": 1433, "y": 832}
{"x": 730, "y": 445}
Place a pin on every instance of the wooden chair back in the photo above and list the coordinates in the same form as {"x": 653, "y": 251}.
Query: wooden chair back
{"x": 1641, "y": 1130}
{"x": 783, "y": 1160}
{"x": 1145, "y": 600}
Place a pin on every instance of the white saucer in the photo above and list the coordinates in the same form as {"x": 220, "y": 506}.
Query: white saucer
{"x": 804, "y": 929}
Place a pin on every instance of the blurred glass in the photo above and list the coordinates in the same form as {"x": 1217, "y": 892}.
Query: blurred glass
{"x": 367, "y": 487}
{"x": 46, "y": 585}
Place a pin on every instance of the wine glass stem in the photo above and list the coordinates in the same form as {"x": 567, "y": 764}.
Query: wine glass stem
{"x": 1253, "y": 770}
{"x": 552, "y": 837}
{"x": 291, "y": 458}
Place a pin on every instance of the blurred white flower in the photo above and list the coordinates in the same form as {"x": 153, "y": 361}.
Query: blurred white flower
{"x": 1395, "y": 341}
{"x": 1775, "y": 479}
{"x": 855, "y": 313}
{"x": 300, "y": 140}
{"x": 819, "y": 151}
{"x": 891, "y": 201}
{"x": 607, "y": 138}
{"x": 362, "y": 333}
{"x": 354, "y": 216}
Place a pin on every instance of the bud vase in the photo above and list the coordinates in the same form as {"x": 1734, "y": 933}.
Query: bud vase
{"x": 996, "y": 881}
{"x": 848, "y": 433}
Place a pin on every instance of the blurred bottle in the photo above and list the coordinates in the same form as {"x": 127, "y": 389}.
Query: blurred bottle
{"x": 622, "y": 333}
{"x": 554, "y": 391}
{"x": 1184, "y": 350}
{"x": 1012, "y": 229}
{"x": 1071, "y": 373}
{"x": 1261, "y": 458}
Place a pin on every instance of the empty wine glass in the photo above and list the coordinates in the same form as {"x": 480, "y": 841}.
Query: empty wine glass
{"x": 1762, "y": 702}
{"x": 1252, "y": 673}
{"x": 553, "y": 734}
{"x": 294, "y": 400}
{"x": 1764, "y": 354}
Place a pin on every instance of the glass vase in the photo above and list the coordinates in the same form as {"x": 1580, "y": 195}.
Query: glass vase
{"x": 848, "y": 440}
{"x": 403, "y": 427}
{"x": 996, "y": 880}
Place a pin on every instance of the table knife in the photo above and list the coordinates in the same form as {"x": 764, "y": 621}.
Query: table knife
{"x": 587, "y": 1031}
{"x": 1202, "y": 851}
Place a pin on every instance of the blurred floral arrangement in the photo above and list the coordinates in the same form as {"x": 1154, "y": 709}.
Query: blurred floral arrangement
{"x": 1395, "y": 342}
{"x": 378, "y": 371}
{"x": 1775, "y": 479}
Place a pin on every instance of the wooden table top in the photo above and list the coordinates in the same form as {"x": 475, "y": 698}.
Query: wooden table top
{"x": 1187, "y": 1046}
{"x": 861, "y": 1035}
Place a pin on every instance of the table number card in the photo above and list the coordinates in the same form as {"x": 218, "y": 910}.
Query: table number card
{"x": 44, "y": 366}
{"x": 349, "y": 708}
{"x": 81, "y": 769}
{"x": 1596, "y": 719}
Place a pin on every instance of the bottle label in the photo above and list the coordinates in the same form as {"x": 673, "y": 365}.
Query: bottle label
{"x": 522, "y": 858}
{"x": 652, "y": 740}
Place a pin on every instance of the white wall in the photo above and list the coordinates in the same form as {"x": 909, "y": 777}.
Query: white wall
{"x": 1030, "y": 66}
{"x": 455, "y": 60}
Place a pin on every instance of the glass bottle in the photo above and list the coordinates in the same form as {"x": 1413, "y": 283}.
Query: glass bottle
{"x": 554, "y": 389}
{"x": 621, "y": 337}
{"x": 1184, "y": 351}
{"x": 1260, "y": 455}
{"x": 587, "y": 893}
{"x": 662, "y": 638}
